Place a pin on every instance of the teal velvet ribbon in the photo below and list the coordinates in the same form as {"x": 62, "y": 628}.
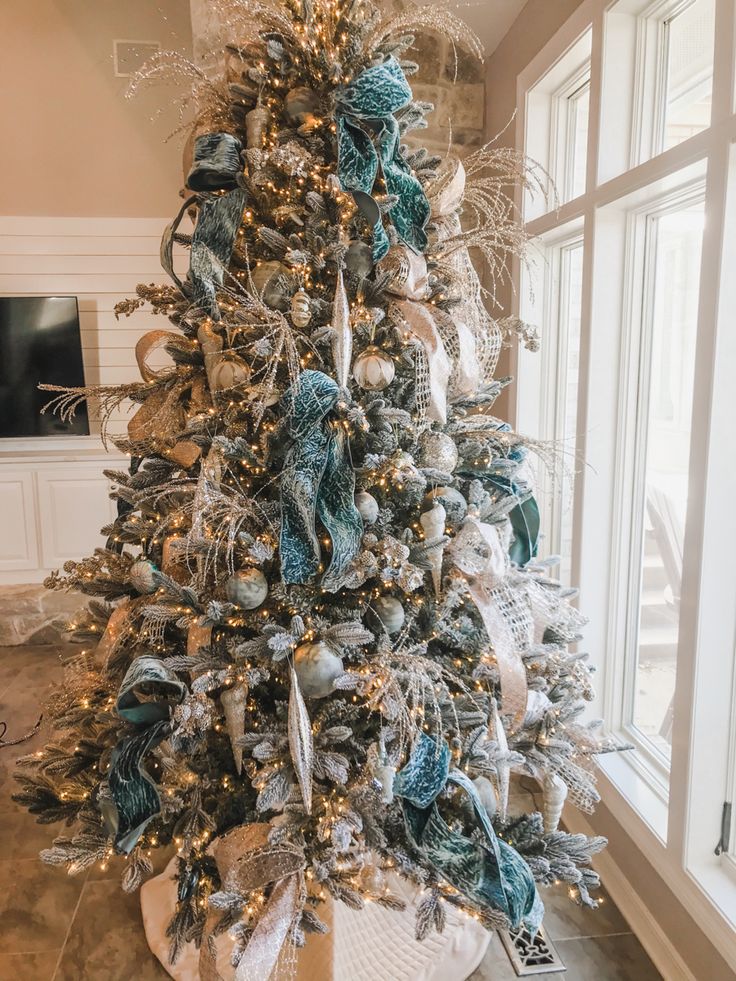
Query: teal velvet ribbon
{"x": 317, "y": 480}
{"x": 368, "y": 138}
{"x": 491, "y": 874}
{"x": 217, "y": 167}
{"x": 525, "y": 521}
{"x": 135, "y": 800}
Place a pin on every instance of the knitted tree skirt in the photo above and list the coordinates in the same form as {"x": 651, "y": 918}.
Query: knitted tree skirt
{"x": 373, "y": 944}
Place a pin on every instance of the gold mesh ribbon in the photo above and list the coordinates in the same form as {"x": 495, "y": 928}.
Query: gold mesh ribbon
{"x": 246, "y": 863}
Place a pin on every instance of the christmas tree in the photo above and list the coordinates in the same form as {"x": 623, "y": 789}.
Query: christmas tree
{"x": 322, "y": 638}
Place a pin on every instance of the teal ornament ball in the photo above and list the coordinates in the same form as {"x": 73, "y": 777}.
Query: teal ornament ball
{"x": 451, "y": 500}
{"x": 247, "y": 588}
{"x": 317, "y": 667}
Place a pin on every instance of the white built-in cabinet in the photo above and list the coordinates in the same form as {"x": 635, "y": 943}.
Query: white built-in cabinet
{"x": 54, "y": 499}
{"x": 53, "y": 494}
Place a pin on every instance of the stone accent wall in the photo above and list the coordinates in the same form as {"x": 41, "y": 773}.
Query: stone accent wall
{"x": 34, "y": 615}
{"x": 454, "y": 82}
{"x": 450, "y": 79}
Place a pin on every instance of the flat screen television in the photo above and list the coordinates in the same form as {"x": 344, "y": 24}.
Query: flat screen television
{"x": 39, "y": 342}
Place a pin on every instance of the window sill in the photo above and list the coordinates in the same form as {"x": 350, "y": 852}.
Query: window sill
{"x": 637, "y": 792}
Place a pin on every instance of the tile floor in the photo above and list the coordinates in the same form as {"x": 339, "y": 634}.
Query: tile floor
{"x": 87, "y": 929}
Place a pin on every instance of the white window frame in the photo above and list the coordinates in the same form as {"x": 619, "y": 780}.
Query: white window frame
{"x": 544, "y": 374}
{"x": 629, "y": 520}
{"x": 678, "y": 830}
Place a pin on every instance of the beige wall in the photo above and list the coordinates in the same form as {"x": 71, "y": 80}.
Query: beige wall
{"x": 531, "y": 30}
{"x": 73, "y": 144}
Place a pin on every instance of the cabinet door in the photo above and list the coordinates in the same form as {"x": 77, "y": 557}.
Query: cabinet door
{"x": 73, "y": 505}
{"x": 18, "y": 536}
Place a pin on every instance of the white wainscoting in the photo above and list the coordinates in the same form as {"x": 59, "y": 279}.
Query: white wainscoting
{"x": 53, "y": 494}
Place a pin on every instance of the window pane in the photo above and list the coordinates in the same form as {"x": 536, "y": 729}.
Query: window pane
{"x": 689, "y": 47}
{"x": 571, "y": 286}
{"x": 578, "y": 155}
{"x": 673, "y": 258}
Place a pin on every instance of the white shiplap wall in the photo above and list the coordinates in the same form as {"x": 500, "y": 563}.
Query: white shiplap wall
{"x": 100, "y": 261}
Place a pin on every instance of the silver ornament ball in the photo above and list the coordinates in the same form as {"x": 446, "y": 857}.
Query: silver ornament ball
{"x": 390, "y": 612}
{"x": 317, "y": 667}
{"x": 142, "y": 576}
{"x": 373, "y": 370}
{"x": 438, "y": 450}
{"x": 247, "y": 588}
{"x": 367, "y": 507}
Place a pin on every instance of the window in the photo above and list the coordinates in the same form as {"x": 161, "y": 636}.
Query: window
{"x": 550, "y": 381}
{"x": 557, "y": 109}
{"x": 687, "y": 39}
{"x": 665, "y": 339}
{"x": 631, "y": 106}
{"x": 659, "y": 70}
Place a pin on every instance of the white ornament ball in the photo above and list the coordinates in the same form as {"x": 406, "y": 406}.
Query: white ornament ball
{"x": 142, "y": 576}
{"x": 367, "y": 507}
{"x": 438, "y": 450}
{"x": 301, "y": 313}
{"x": 247, "y": 588}
{"x": 390, "y": 612}
{"x": 317, "y": 667}
{"x": 229, "y": 373}
{"x": 373, "y": 370}
{"x": 452, "y": 501}
{"x": 537, "y": 704}
{"x": 385, "y": 775}
{"x": 487, "y": 795}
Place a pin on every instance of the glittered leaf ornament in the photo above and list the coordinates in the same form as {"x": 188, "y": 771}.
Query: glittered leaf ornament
{"x": 300, "y": 741}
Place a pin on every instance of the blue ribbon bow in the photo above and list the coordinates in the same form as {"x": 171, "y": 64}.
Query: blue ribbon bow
{"x": 490, "y": 874}
{"x": 317, "y": 480}
{"x": 217, "y": 167}
{"x": 368, "y": 137}
{"x": 135, "y": 800}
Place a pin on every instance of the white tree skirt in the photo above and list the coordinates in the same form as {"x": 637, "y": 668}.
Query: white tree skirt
{"x": 373, "y": 944}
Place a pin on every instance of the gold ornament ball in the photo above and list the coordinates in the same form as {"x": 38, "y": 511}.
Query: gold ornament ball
{"x": 300, "y": 311}
{"x": 438, "y": 450}
{"x": 247, "y": 588}
{"x": 229, "y": 373}
{"x": 142, "y": 576}
{"x": 373, "y": 370}
{"x": 317, "y": 667}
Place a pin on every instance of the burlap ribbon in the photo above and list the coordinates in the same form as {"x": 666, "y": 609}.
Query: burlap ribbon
{"x": 161, "y": 418}
{"x": 248, "y": 863}
{"x": 481, "y": 554}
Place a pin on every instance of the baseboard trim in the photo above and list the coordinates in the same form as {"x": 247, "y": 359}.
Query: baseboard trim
{"x": 639, "y": 917}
